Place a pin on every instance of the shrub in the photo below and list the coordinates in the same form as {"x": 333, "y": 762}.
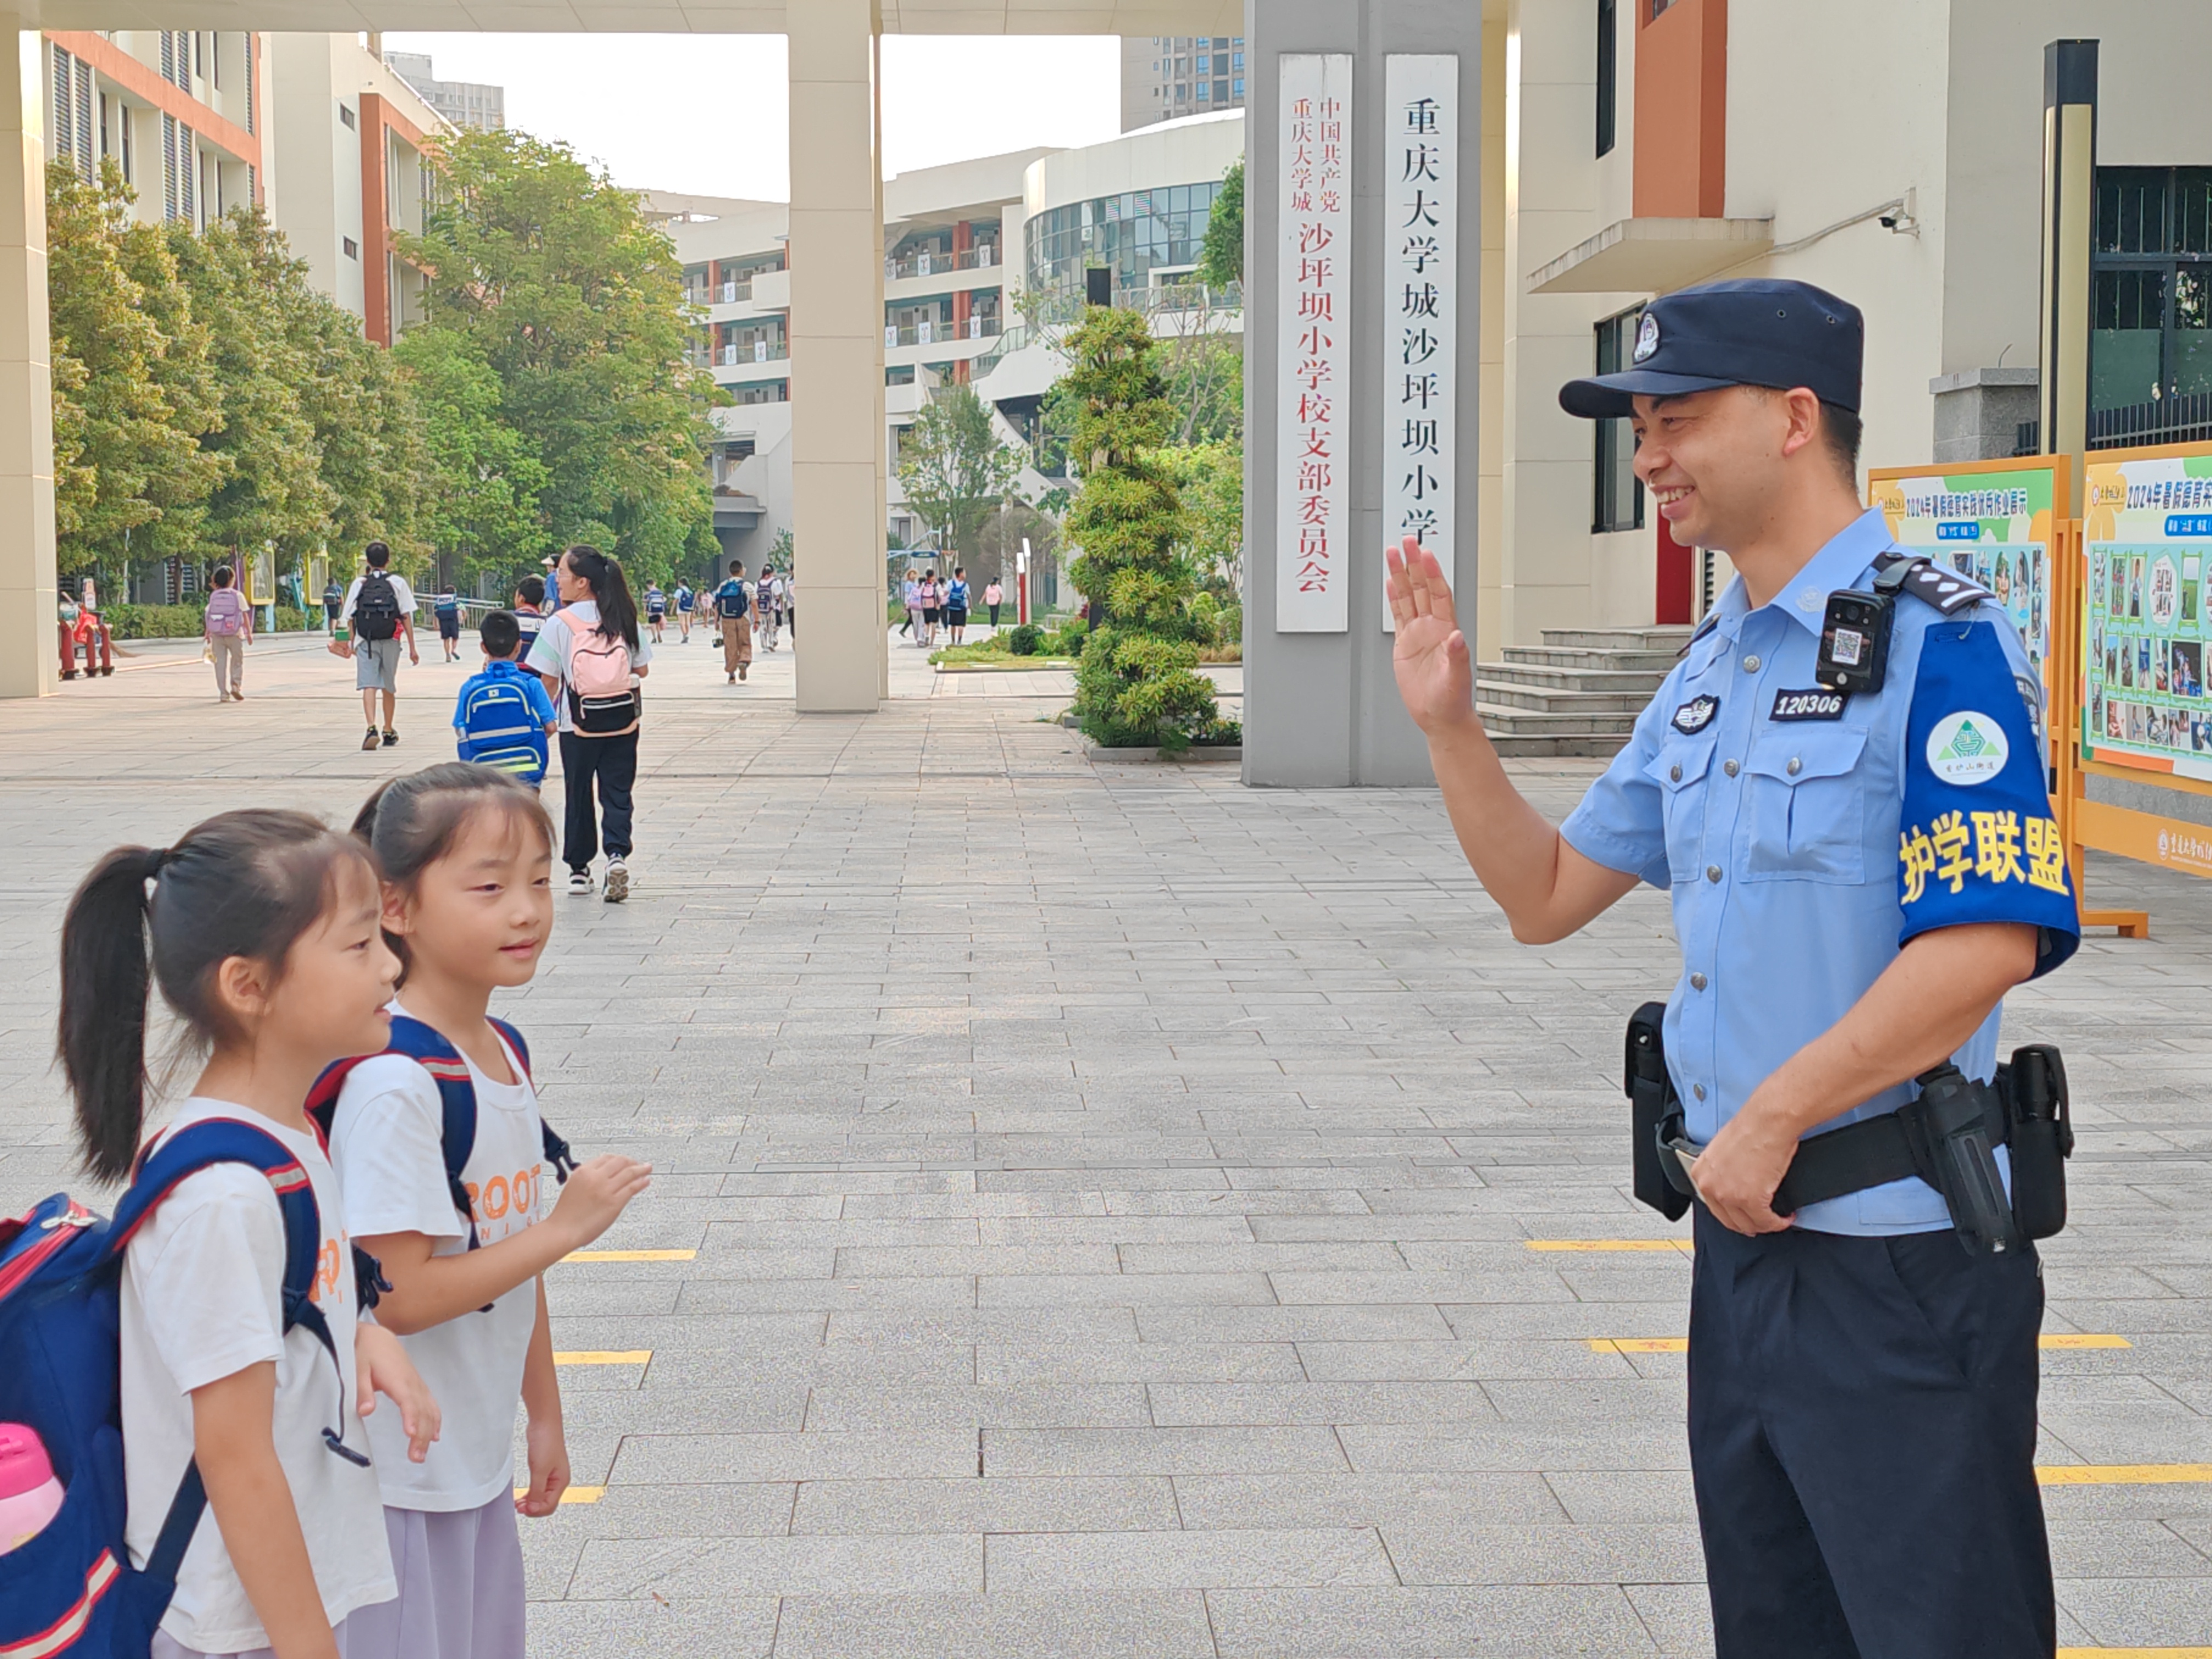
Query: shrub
{"x": 1024, "y": 640}
{"x": 153, "y": 622}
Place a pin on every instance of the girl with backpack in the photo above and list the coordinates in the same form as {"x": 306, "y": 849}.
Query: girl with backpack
{"x": 262, "y": 930}
{"x": 228, "y": 624}
{"x": 467, "y": 855}
{"x": 592, "y": 659}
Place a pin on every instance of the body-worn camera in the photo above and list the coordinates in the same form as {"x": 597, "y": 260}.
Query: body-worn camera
{"x": 1855, "y": 641}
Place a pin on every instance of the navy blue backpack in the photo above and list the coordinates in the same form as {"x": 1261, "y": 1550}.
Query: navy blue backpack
{"x": 71, "y": 1589}
{"x": 457, "y": 1099}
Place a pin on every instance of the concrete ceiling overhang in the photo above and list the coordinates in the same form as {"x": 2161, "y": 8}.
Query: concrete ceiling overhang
{"x": 1137, "y": 17}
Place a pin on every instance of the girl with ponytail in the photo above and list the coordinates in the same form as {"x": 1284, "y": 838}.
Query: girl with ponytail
{"x": 261, "y": 929}
{"x": 592, "y": 659}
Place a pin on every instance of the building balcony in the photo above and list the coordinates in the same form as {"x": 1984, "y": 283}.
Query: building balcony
{"x": 736, "y": 510}
{"x": 970, "y": 333}
{"x": 982, "y": 257}
{"x": 1653, "y": 256}
{"x": 737, "y": 365}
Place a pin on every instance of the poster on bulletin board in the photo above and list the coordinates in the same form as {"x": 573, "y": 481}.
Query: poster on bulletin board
{"x": 1992, "y": 522}
{"x": 2147, "y": 548}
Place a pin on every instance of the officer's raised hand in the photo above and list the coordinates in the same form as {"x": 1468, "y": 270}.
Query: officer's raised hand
{"x": 1435, "y": 676}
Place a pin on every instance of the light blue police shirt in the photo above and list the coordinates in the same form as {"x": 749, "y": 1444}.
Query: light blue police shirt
{"x": 1807, "y": 837}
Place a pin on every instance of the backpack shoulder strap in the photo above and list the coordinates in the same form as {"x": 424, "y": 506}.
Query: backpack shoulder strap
{"x": 173, "y": 1158}
{"x": 457, "y": 1101}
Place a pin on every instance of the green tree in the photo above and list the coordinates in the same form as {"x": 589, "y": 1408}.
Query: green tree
{"x": 1221, "y": 258}
{"x": 1210, "y": 479}
{"x": 1137, "y": 683}
{"x": 576, "y": 303}
{"x": 485, "y": 477}
{"x": 954, "y": 467}
{"x": 130, "y": 474}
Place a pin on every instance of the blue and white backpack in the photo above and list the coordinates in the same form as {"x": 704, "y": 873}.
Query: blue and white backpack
{"x": 499, "y": 729}
{"x": 71, "y": 1588}
{"x": 457, "y": 1100}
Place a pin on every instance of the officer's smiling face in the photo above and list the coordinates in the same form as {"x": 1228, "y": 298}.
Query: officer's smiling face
{"x": 1712, "y": 460}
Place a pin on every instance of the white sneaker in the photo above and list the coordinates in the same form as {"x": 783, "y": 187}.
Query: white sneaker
{"x": 579, "y": 884}
{"x": 617, "y": 882}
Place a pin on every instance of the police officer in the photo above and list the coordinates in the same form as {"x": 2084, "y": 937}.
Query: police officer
{"x": 1857, "y": 879}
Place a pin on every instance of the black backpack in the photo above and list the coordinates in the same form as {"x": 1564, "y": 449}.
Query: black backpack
{"x": 727, "y": 604}
{"x": 376, "y": 611}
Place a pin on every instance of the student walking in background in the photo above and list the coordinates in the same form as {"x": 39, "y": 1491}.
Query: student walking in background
{"x": 529, "y": 612}
{"x": 684, "y": 602}
{"x": 381, "y": 608}
{"x": 767, "y": 605}
{"x": 956, "y": 605}
{"x": 656, "y": 609}
{"x": 503, "y": 718}
{"x": 467, "y": 859}
{"x": 593, "y": 661}
{"x": 227, "y": 625}
{"x": 733, "y": 611}
{"x": 932, "y": 607}
{"x": 910, "y": 599}
{"x": 447, "y": 607}
{"x": 262, "y": 931}
{"x": 994, "y": 596}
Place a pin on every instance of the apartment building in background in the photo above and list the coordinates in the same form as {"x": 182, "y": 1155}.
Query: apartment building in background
{"x": 351, "y": 141}
{"x": 983, "y": 266}
{"x": 179, "y": 111}
{"x": 1164, "y": 77}
{"x": 464, "y": 103}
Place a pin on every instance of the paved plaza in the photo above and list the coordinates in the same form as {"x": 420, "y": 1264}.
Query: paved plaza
{"x": 1103, "y": 1210}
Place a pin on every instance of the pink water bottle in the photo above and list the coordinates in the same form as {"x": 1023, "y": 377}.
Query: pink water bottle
{"x": 29, "y": 1495}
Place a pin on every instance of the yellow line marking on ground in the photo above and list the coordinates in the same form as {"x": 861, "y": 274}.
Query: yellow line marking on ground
{"x": 2134, "y": 1653}
{"x": 631, "y": 1255}
{"x": 2123, "y": 1474}
{"x": 2081, "y": 1340}
{"x": 604, "y": 1357}
{"x": 573, "y": 1495}
{"x": 1679, "y": 1245}
{"x": 1682, "y": 1343}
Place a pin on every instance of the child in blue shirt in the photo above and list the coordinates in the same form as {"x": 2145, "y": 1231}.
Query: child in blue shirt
{"x": 504, "y": 716}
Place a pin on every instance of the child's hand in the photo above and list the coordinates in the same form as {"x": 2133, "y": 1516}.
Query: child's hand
{"x": 548, "y": 1469}
{"x": 382, "y": 1366}
{"x": 597, "y": 1191}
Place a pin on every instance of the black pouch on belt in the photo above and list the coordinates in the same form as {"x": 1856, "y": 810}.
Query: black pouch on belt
{"x": 1954, "y": 1145}
{"x": 1651, "y": 1103}
{"x": 2041, "y": 1138}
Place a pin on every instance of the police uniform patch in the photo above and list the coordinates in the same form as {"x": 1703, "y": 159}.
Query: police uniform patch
{"x": 1647, "y": 338}
{"x": 1814, "y": 704}
{"x": 1695, "y": 715}
{"x": 1967, "y": 747}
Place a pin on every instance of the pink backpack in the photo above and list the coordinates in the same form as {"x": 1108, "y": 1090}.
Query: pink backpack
{"x": 603, "y": 701}
{"x": 226, "y": 621}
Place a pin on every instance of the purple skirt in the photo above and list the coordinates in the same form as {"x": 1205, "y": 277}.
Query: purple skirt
{"x": 167, "y": 1646}
{"x": 461, "y": 1588}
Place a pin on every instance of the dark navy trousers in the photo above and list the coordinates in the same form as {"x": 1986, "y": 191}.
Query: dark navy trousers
{"x": 1862, "y": 1434}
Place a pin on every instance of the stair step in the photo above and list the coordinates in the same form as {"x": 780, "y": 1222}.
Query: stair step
{"x": 1549, "y": 700}
{"x": 1513, "y": 748}
{"x": 1669, "y": 639}
{"x": 1655, "y": 663}
{"x": 1529, "y": 722}
{"x": 1596, "y": 678}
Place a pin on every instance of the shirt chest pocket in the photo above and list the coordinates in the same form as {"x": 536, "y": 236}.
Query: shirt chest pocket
{"x": 1806, "y": 804}
{"x": 1680, "y": 769}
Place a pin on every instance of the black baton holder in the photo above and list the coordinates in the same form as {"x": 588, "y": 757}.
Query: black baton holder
{"x": 1652, "y": 1106}
{"x": 1949, "y": 1131}
{"x": 2041, "y": 1136}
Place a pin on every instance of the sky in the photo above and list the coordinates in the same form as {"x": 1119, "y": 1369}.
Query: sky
{"x": 707, "y": 115}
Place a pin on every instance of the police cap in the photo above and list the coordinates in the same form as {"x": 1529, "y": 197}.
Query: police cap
{"x": 1755, "y": 330}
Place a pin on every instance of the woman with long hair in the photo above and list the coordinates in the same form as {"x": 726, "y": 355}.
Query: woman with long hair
{"x": 591, "y": 658}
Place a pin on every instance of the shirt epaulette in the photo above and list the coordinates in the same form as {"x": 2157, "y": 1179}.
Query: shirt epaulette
{"x": 1946, "y": 590}
{"x": 1712, "y": 620}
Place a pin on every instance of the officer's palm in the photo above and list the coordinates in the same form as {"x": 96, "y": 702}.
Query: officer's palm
{"x": 1429, "y": 654}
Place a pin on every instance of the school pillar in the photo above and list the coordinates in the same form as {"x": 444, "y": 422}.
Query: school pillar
{"x": 838, "y": 469}
{"x": 29, "y": 663}
{"x": 1321, "y": 709}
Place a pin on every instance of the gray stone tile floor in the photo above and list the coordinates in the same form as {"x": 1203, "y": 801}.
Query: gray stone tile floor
{"x": 1111, "y": 1190}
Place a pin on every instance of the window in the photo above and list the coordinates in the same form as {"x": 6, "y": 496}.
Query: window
{"x": 345, "y": 118}
{"x": 1618, "y": 502}
{"x": 1205, "y": 92}
{"x": 1205, "y": 64}
{"x": 1239, "y": 85}
{"x": 1608, "y": 72}
{"x": 352, "y": 248}
{"x": 2150, "y": 293}
{"x": 1221, "y": 91}
{"x": 1658, "y": 6}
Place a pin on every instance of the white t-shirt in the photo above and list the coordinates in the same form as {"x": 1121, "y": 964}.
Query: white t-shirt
{"x": 203, "y": 1285}
{"x": 385, "y": 1140}
{"x": 401, "y": 591}
{"x": 550, "y": 655}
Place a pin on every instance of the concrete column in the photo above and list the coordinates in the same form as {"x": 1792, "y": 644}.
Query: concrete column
{"x": 29, "y": 666}
{"x": 1322, "y": 709}
{"x": 837, "y": 469}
